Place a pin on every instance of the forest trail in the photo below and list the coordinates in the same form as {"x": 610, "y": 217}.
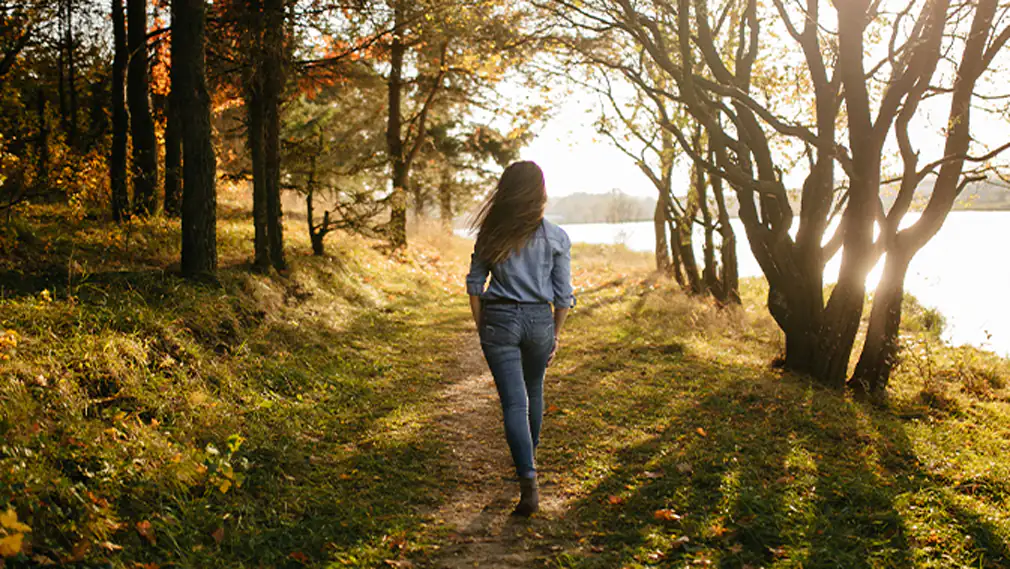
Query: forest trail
{"x": 482, "y": 533}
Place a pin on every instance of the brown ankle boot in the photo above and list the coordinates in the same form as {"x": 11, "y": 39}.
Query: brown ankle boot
{"x": 529, "y": 500}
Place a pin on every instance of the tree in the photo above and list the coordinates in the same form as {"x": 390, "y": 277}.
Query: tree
{"x": 332, "y": 143}
{"x": 199, "y": 198}
{"x": 120, "y": 198}
{"x": 640, "y": 127}
{"x": 434, "y": 48}
{"x": 262, "y": 35}
{"x": 711, "y": 54}
{"x": 145, "y": 143}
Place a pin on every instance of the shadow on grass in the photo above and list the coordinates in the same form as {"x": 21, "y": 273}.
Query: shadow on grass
{"x": 684, "y": 460}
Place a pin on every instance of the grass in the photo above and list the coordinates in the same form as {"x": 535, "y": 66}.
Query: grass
{"x": 289, "y": 421}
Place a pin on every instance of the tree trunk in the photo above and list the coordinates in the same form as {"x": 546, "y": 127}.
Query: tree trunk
{"x": 445, "y": 203}
{"x": 120, "y": 120}
{"x": 61, "y": 73}
{"x": 730, "y": 275}
{"x": 710, "y": 273}
{"x": 676, "y": 259}
{"x": 881, "y": 348}
{"x": 659, "y": 222}
{"x": 72, "y": 134}
{"x": 42, "y": 143}
{"x": 397, "y": 228}
{"x": 420, "y": 201}
{"x": 273, "y": 84}
{"x": 315, "y": 234}
{"x": 254, "y": 107}
{"x": 173, "y": 154}
{"x": 685, "y": 228}
{"x": 253, "y": 25}
{"x": 199, "y": 169}
{"x": 145, "y": 143}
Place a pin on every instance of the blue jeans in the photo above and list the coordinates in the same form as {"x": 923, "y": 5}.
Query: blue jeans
{"x": 517, "y": 340}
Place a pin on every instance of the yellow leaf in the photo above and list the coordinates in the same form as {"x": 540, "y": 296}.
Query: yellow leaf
{"x": 224, "y": 486}
{"x": 11, "y": 545}
{"x": 9, "y": 520}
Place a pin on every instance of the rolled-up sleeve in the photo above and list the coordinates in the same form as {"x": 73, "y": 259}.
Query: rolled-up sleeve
{"x": 561, "y": 274}
{"x": 477, "y": 277}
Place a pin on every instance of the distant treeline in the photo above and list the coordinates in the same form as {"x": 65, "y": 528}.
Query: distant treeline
{"x": 613, "y": 207}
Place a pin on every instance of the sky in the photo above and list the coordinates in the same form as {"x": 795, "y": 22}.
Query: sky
{"x": 575, "y": 158}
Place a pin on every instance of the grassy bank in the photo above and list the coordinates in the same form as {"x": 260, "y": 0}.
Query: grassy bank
{"x": 267, "y": 421}
{"x": 288, "y": 421}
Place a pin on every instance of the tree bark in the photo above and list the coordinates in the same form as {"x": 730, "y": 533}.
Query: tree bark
{"x": 676, "y": 260}
{"x": 42, "y": 145}
{"x": 72, "y": 134}
{"x": 397, "y": 227}
{"x": 659, "y": 223}
{"x": 685, "y": 234}
{"x": 199, "y": 170}
{"x": 173, "y": 153}
{"x": 145, "y": 143}
{"x": 730, "y": 276}
{"x": 120, "y": 120}
{"x": 710, "y": 273}
{"x": 881, "y": 347}
{"x": 445, "y": 203}
{"x": 273, "y": 84}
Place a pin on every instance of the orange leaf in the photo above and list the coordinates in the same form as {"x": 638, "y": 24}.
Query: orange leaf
{"x": 615, "y": 500}
{"x": 109, "y": 546}
{"x": 146, "y": 531}
{"x": 552, "y": 408}
{"x": 666, "y": 515}
{"x": 701, "y": 432}
{"x": 218, "y": 535}
{"x": 299, "y": 557}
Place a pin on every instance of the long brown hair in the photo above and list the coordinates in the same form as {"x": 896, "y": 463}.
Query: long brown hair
{"x": 512, "y": 213}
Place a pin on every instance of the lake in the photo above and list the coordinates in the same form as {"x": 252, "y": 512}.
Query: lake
{"x": 964, "y": 271}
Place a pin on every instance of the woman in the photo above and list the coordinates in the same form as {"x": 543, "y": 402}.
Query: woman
{"x": 529, "y": 259}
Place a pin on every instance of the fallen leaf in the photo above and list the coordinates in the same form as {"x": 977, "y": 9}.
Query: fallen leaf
{"x": 146, "y": 531}
{"x": 666, "y": 515}
{"x": 552, "y": 408}
{"x": 685, "y": 468}
{"x": 681, "y": 541}
{"x": 615, "y": 500}
{"x": 653, "y": 475}
{"x": 218, "y": 535}
{"x": 399, "y": 563}
{"x": 109, "y": 546}
{"x": 701, "y": 432}
{"x": 299, "y": 557}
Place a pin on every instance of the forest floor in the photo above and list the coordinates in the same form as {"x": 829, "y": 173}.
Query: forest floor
{"x": 341, "y": 415}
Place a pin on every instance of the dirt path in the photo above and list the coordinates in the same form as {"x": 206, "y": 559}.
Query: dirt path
{"x": 482, "y": 533}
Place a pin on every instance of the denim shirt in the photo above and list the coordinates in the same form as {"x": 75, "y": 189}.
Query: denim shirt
{"x": 539, "y": 272}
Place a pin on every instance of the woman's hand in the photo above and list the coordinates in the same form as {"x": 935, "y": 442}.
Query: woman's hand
{"x": 554, "y": 350}
{"x": 476, "y": 310}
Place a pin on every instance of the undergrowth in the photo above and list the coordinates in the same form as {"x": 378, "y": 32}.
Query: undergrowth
{"x": 293, "y": 420}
